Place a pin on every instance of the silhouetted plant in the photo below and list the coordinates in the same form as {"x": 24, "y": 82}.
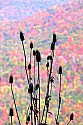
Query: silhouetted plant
{"x": 32, "y": 88}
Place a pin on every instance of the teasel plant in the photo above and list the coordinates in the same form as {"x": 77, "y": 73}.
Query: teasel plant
{"x": 33, "y": 111}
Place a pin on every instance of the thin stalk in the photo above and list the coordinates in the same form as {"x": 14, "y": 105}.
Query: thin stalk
{"x": 48, "y": 90}
{"x": 39, "y": 91}
{"x": 31, "y": 103}
{"x": 31, "y": 112}
{"x": 31, "y": 92}
{"x": 59, "y": 97}
{"x": 11, "y": 121}
{"x": 68, "y": 123}
{"x": 36, "y": 106}
{"x": 30, "y": 62}
{"x": 46, "y": 115}
{"x": 44, "y": 105}
{"x": 15, "y": 105}
{"x": 34, "y": 93}
{"x": 43, "y": 114}
{"x": 25, "y": 61}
